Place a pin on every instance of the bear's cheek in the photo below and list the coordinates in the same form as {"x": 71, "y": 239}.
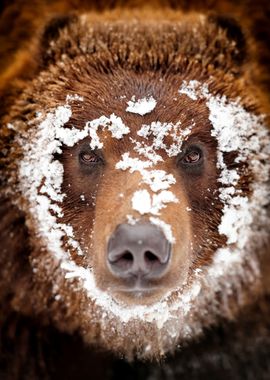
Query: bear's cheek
{"x": 113, "y": 208}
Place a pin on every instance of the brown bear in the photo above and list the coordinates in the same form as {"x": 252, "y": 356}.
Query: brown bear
{"x": 135, "y": 199}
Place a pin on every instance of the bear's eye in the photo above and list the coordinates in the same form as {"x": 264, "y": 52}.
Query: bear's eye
{"x": 191, "y": 158}
{"x": 89, "y": 158}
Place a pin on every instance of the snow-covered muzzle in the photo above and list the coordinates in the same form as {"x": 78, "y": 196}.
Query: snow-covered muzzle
{"x": 211, "y": 255}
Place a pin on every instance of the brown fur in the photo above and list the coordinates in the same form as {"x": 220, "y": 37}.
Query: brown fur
{"x": 100, "y": 57}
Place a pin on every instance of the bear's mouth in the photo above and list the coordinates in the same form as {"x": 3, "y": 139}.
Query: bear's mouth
{"x": 137, "y": 291}
{"x": 141, "y": 296}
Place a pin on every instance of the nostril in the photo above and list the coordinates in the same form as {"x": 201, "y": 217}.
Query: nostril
{"x": 150, "y": 257}
{"x": 127, "y": 257}
{"x": 123, "y": 261}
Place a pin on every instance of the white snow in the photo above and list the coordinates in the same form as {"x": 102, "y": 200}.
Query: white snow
{"x": 133, "y": 164}
{"x": 131, "y": 220}
{"x": 114, "y": 124}
{"x": 165, "y": 227}
{"x": 194, "y": 89}
{"x": 72, "y": 98}
{"x": 158, "y": 179}
{"x": 159, "y": 131}
{"x": 142, "y": 202}
{"x": 147, "y": 151}
{"x": 141, "y": 106}
{"x": 145, "y": 204}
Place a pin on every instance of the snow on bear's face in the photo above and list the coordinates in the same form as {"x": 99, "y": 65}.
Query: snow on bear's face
{"x": 150, "y": 209}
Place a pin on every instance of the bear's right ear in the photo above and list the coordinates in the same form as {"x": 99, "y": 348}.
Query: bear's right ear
{"x": 51, "y": 33}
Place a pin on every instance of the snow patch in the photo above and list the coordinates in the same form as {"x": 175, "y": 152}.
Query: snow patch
{"x": 114, "y": 124}
{"x": 145, "y": 204}
{"x": 194, "y": 89}
{"x": 141, "y": 106}
{"x": 165, "y": 227}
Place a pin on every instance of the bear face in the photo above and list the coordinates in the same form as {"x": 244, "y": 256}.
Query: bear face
{"x": 143, "y": 180}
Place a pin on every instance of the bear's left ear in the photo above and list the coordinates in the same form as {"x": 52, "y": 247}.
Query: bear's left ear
{"x": 50, "y": 34}
{"x": 234, "y": 33}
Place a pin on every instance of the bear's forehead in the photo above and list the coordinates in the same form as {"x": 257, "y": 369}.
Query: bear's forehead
{"x": 139, "y": 101}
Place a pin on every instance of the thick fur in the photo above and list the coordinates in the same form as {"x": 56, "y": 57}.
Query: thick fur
{"x": 143, "y": 42}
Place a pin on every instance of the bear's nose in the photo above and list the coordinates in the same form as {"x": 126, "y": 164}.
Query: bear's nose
{"x": 139, "y": 250}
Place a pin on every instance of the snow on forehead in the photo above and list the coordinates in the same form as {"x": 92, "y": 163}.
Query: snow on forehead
{"x": 141, "y": 106}
{"x": 193, "y": 89}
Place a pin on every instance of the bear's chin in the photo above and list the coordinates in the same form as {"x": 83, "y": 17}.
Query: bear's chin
{"x": 137, "y": 296}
